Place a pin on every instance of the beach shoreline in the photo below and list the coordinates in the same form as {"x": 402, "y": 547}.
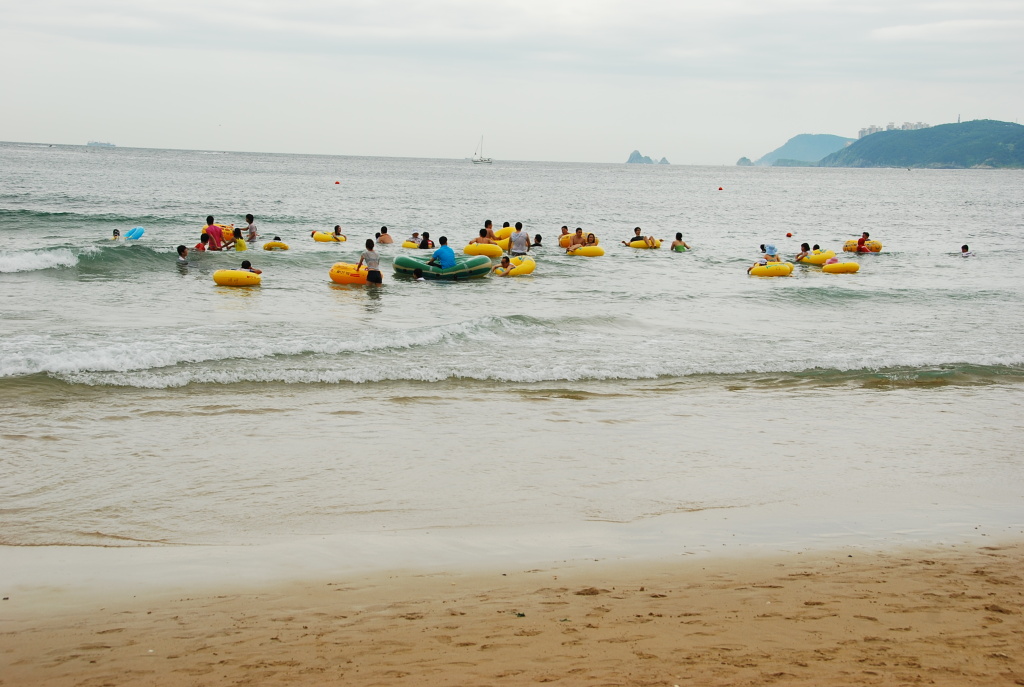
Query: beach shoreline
{"x": 936, "y": 614}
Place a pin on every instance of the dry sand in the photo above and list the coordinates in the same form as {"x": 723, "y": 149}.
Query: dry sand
{"x": 941, "y": 616}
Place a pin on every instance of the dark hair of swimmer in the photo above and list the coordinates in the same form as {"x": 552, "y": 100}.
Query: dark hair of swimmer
{"x": 483, "y": 233}
{"x": 443, "y": 240}
{"x": 117, "y": 232}
{"x": 964, "y": 248}
{"x": 636, "y": 231}
{"x": 181, "y": 250}
{"x": 237, "y": 233}
{"x": 487, "y": 224}
{"x": 504, "y": 225}
{"x": 519, "y": 225}
{"x": 383, "y": 230}
{"x": 866, "y": 235}
{"x": 426, "y": 234}
{"x": 504, "y": 260}
{"x": 369, "y": 244}
{"x": 565, "y": 227}
{"x": 277, "y": 238}
{"x": 762, "y": 247}
{"x": 209, "y": 220}
{"x": 816, "y": 247}
{"x": 246, "y": 264}
{"x": 590, "y": 236}
{"x": 579, "y": 230}
{"x": 205, "y": 238}
{"x": 679, "y": 236}
{"x": 536, "y": 238}
{"x": 249, "y": 218}
{"x": 417, "y": 273}
{"x": 804, "y": 246}
{"x": 377, "y": 235}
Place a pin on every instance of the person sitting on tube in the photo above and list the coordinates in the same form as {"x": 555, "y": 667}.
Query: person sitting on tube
{"x": 649, "y": 240}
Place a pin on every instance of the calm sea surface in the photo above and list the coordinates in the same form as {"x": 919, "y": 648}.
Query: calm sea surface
{"x": 643, "y": 395}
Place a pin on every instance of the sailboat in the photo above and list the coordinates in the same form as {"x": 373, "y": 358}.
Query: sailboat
{"x": 478, "y": 156}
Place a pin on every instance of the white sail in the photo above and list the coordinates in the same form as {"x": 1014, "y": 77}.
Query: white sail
{"x": 478, "y": 156}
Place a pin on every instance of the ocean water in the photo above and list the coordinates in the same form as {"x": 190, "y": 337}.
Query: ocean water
{"x": 643, "y": 396}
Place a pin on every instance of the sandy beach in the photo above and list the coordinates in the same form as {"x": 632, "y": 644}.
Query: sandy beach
{"x": 943, "y": 615}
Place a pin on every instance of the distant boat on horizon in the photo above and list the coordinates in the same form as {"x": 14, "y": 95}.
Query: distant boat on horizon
{"x": 100, "y": 144}
{"x": 478, "y": 156}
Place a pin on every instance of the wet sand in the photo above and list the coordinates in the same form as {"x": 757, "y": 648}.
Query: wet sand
{"x": 944, "y": 615}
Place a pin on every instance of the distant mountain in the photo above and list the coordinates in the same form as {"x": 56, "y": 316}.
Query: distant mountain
{"x": 981, "y": 143}
{"x": 744, "y": 162}
{"x": 637, "y": 159}
{"x": 805, "y": 148}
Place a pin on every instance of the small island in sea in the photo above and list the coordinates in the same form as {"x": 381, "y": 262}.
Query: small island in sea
{"x": 100, "y": 144}
{"x": 982, "y": 143}
{"x": 637, "y": 159}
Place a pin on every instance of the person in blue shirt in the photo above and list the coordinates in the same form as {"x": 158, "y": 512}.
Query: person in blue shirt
{"x": 444, "y": 257}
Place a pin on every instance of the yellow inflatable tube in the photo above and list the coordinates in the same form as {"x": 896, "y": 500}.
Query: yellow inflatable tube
{"x": 410, "y": 244}
{"x": 773, "y": 269}
{"x": 503, "y": 233}
{"x": 522, "y": 266}
{"x": 872, "y": 246}
{"x": 841, "y": 267}
{"x": 324, "y": 237}
{"x": 588, "y": 251}
{"x": 346, "y": 273}
{"x": 491, "y": 250}
{"x": 565, "y": 239}
{"x": 236, "y": 278}
{"x": 640, "y": 243}
{"x": 275, "y": 245}
{"x": 817, "y": 257}
{"x": 229, "y": 228}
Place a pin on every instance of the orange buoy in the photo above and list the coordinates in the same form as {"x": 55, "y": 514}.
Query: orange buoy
{"x": 337, "y": 182}
{"x": 719, "y": 188}
{"x": 789, "y": 235}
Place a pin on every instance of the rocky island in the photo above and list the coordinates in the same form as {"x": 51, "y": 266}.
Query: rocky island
{"x": 636, "y": 158}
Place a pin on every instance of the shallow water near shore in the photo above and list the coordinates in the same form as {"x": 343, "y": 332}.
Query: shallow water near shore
{"x": 642, "y": 402}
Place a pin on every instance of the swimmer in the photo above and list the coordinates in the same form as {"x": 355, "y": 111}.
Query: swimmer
{"x": 417, "y": 274}
{"x": 489, "y": 228}
{"x": 247, "y": 266}
{"x": 203, "y": 241}
{"x": 117, "y": 234}
{"x": 503, "y": 269}
{"x": 214, "y": 232}
{"x": 519, "y": 241}
{"x": 239, "y": 242}
{"x": 229, "y": 239}
{"x": 443, "y": 257}
{"x": 815, "y": 248}
{"x": 770, "y": 254}
{"x": 578, "y": 240}
{"x": 649, "y": 240}
{"x": 805, "y": 250}
{"x": 415, "y": 238}
{"x": 250, "y": 228}
{"x": 536, "y": 241}
{"x": 425, "y": 241}
{"x": 338, "y": 236}
{"x": 965, "y": 252}
{"x": 385, "y": 237}
{"x": 483, "y": 238}
{"x": 760, "y": 262}
{"x": 182, "y": 255}
{"x": 565, "y": 231}
{"x": 679, "y": 245}
{"x": 861, "y": 248}
{"x": 372, "y": 260}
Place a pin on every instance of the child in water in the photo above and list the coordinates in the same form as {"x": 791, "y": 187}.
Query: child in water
{"x": 117, "y": 234}
{"x": 965, "y": 252}
{"x": 238, "y": 241}
{"x": 247, "y": 266}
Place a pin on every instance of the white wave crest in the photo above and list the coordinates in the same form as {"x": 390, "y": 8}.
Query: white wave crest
{"x": 31, "y": 260}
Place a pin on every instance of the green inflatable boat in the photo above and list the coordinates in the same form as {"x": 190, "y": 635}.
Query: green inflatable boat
{"x": 466, "y": 267}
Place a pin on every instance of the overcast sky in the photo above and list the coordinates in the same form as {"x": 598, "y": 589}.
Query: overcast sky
{"x": 700, "y": 82}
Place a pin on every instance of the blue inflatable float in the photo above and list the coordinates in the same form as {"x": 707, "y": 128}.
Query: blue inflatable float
{"x": 134, "y": 233}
